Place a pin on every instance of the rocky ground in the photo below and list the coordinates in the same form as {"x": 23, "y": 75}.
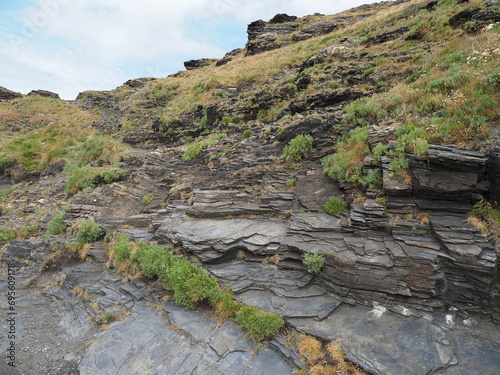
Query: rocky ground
{"x": 410, "y": 284}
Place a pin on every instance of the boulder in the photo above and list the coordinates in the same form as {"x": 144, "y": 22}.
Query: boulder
{"x": 6, "y": 94}
{"x": 198, "y": 63}
{"x": 44, "y": 93}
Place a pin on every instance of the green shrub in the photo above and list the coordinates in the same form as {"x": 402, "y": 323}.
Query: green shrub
{"x": 314, "y": 262}
{"x": 89, "y": 231}
{"x": 122, "y": 247}
{"x": 262, "y": 115}
{"x": 6, "y": 163}
{"x": 7, "y": 234}
{"x": 378, "y": 151}
{"x": 56, "y": 225}
{"x": 291, "y": 182}
{"x": 257, "y": 323}
{"x": 346, "y": 165}
{"x": 147, "y": 199}
{"x": 368, "y": 71}
{"x": 194, "y": 149}
{"x": 81, "y": 178}
{"x": 247, "y": 133}
{"x": 362, "y": 110}
{"x": 232, "y": 120}
{"x": 335, "y": 206}
{"x": 298, "y": 148}
{"x": 25, "y": 232}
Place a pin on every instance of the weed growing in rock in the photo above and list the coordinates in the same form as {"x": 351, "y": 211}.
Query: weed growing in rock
{"x": 257, "y": 323}
{"x": 485, "y": 217}
{"x": 147, "y": 199}
{"x": 247, "y": 133}
{"x": 194, "y": 149}
{"x": 346, "y": 165}
{"x": 335, "y": 205}
{"x": 7, "y": 234}
{"x": 314, "y": 262}
{"x": 327, "y": 359}
{"x": 89, "y": 231}
{"x": 299, "y": 148}
{"x": 291, "y": 182}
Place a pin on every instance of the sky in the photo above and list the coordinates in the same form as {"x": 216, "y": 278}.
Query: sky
{"x": 69, "y": 46}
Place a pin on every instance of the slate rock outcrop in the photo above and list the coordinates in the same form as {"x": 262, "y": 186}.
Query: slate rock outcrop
{"x": 6, "y": 94}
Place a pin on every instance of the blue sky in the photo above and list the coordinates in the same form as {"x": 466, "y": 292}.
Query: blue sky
{"x": 68, "y": 46}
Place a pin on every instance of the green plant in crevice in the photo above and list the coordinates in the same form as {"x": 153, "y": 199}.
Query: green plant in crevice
{"x": 56, "y": 225}
{"x": 147, "y": 199}
{"x": 298, "y": 148}
{"x": 314, "y": 262}
{"x": 89, "y": 231}
{"x": 335, "y": 205}
{"x": 257, "y": 323}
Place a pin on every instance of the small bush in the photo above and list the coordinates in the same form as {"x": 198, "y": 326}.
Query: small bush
{"x": 194, "y": 149}
{"x": 314, "y": 262}
{"x": 334, "y": 206}
{"x": 257, "y": 323}
{"x": 247, "y": 133}
{"x": 298, "y": 148}
{"x": 7, "y": 234}
{"x": 122, "y": 247}
{"x": 89, "y": 231}
{"x": 346, "y": 165}
{"x": 147, "y": 199}
{"x": 291, "y": 182}
{"x": 56, "y": 226}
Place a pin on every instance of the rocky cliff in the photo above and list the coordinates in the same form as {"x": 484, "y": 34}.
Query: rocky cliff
{"x": 339, "y": 171}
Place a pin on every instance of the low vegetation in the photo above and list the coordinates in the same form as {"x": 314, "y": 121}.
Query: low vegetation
{"x": 335, "y": 205}
{"x": 485, "y": 217}
{"x": 58, "y": 133}
{"x": 88, "y": 231}
{"x": 314, "y": 262}
{"x": 324, "y": 359}
{"x": 190, "y": 284}
{"x": 299, "y": 148}
{"x": 200, "y": 144}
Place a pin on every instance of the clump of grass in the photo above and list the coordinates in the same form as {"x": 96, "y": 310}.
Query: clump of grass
{"x": 298, "y": 148}
{"x": 247, "y": 133}
{"x": 56, "y": 225}
{"x": 335, "y": 205}
{"x": 258, "y": 324}
{"x": 195, "y": 149}
{"x": 485, "y": 217}
{"x": 346, "y": 165}
{"x": 314, "y": 262}
{"x": 324, "y": 359}
{"x": 89, "y": 231}
{"x": 147, "y": 199}
{"x": 291, "y": 182}
{"x": 191, "y": 284}
{"x": 7, "y": 234}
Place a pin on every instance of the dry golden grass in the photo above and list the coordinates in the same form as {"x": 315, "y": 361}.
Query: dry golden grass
{"x": 325, "y": 359}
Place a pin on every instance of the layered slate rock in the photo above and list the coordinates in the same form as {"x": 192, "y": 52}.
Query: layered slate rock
{"x": 282, "y": 30}
{"x": 212, "y": 239}
{"x": 388, "y": 344}
{"x": 6, "y": 94}
{"x": 198, "y": 63}
{"x": 44, "y": 93}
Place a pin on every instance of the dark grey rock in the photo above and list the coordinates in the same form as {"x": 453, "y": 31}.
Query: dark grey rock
{"x": 6, "y": 94}
{"x": 44, "y": 93}
{"x": 198, "y": 63}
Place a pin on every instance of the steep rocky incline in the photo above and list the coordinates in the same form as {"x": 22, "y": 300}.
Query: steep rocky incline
{"x": 221, "y": 171}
